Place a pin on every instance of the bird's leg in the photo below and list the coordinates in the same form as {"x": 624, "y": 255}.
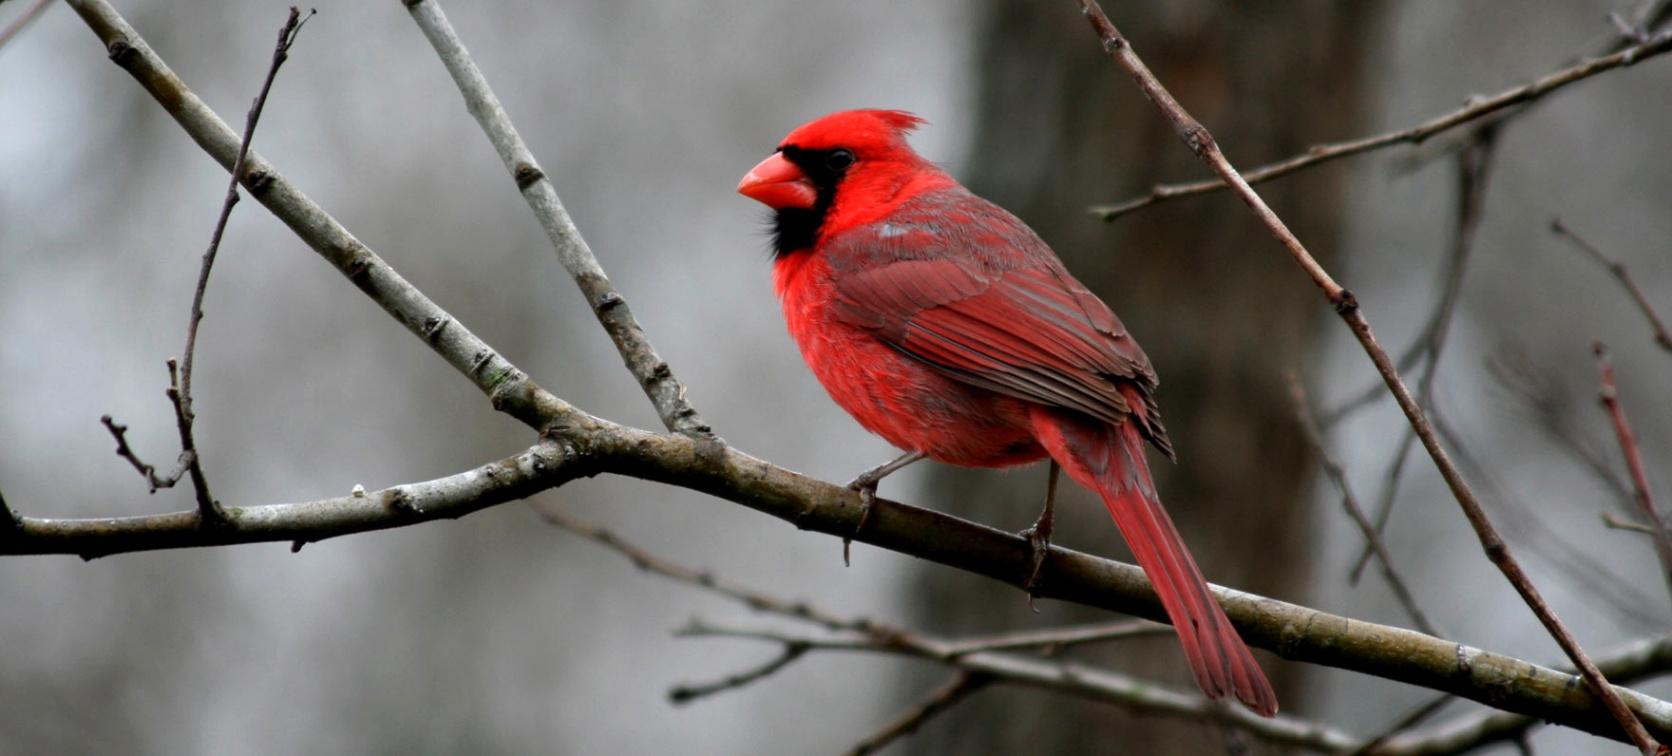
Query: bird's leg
{"x": 866, "y": 485}
{"x": 1039, "y": 536}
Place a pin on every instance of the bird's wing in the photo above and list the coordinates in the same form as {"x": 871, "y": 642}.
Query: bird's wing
{"x": 1014, "y": 321}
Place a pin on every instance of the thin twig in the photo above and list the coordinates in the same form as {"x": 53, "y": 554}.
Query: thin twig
{"x": 949, "y": 695}
{"x": 1349, "y": 502}
{"x": 1201, "y": 142}
{"x": 645, "y": 560}
{"x": 665, "y": 391}
{"x": 685, "y": 694}
{"x": 1474, "y": 165}
{"x": 1615, "y": 522}
{"x": 1663, "y": 337}
{"x": 1634, "y": 463}
{"x": 210, "y": 514}
{"x": 1476, "y": 107}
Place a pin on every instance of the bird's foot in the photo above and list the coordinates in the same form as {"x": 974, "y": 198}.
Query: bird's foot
{"x": 1039, "y": 542}
{"x": 1039, "y": 536}
{"x": 866, "y": 485}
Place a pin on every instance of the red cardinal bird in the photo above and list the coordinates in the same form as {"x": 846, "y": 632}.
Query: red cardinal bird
{"x": 945, "y": 325}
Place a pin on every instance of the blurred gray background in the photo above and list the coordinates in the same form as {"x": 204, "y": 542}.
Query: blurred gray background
{"x": 499, "y": 634}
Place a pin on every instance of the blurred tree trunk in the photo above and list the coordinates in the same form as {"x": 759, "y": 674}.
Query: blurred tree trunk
{"x": 1220, "y": 309}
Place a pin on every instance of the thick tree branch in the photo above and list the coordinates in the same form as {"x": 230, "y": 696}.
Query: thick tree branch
{"x": 588, "y": 446}
{"x": 1200, "y": 142}
{"x": 1476, "y": 108}
{"x": 666, "y": 393}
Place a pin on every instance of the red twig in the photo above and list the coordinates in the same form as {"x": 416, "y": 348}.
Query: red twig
{"x": 1197, "y": 138}
{"x": 1634, "y": 463}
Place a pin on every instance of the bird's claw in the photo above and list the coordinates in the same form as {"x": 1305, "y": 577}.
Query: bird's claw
{"x": 1039, "y": 542}
{"x": 866, "y": 485}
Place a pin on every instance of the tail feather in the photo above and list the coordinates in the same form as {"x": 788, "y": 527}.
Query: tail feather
{"x": 1110, "y": 460}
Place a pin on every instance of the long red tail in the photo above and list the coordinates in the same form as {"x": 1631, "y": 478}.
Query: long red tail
{"x": 1110, "y": 460}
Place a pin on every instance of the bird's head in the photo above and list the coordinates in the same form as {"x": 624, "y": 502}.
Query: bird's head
{"x": 843, "y": 164}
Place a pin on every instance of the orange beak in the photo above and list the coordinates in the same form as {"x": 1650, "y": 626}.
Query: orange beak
{"x": 778, "y": 183}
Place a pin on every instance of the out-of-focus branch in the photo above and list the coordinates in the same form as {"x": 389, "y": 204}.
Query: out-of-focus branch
{"x": 687, "y": 693}
{"x": 1201, "y": 142}
{"x": 961, "y": 686}
{"x": 1476, "y": 108}
{"x": 1338, "y": 476}
{"x": 1663, "y": 337}
{"x": 1543, "y": 395}
{"x": 1591, "y": 579}
{"x": 22, "y": 20}
{"x": 1067, "y": 677}
{"x": 1474, "y": 165}
{"x": 1638, "y": 661}
{"x": 1634, "y": 463}
{"x": 665, "y": 391}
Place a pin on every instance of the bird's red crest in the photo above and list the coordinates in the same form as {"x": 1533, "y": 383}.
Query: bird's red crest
{"x": 884, "y": 129}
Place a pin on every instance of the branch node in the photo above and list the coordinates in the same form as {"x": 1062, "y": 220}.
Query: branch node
{"x": 1344, "y": 302}
{"x": 121, "y": 53}
{"x": 398, "y": 501}
{"x": 526, "y": 174}
{"x": 258, "y": 181}
{"x": 433, "y": 326}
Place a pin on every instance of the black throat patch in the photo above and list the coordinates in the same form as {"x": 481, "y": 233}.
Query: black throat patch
{"x": 795, "y": 229}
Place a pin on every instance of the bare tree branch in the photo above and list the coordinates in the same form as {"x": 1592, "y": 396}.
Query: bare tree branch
{"x": 1476, "y": 108}
{"x": 684, "y": 694}
{"x": 666, "y": 393}
{"x": 1197, "y": 138}
{"x": 190, "y": 460}
{"x": 507, "y": 387}
{"x": 1634, "y": 463}
{"x": 1663, "y": 337}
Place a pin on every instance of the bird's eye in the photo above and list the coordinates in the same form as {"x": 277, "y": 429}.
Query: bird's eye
{"x": 839, "y": 159}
